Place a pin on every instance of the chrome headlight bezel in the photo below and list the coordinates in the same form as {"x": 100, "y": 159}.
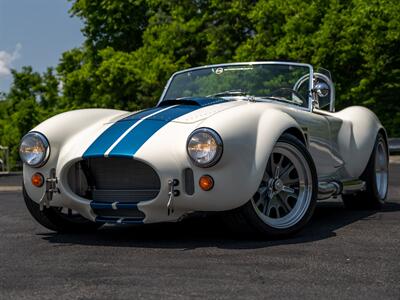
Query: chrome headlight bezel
{"x": 218, "y": 141}
{"x": 44, "y": 143}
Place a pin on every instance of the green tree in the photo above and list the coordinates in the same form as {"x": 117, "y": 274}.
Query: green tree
{"x": 357, "y": 40}
{"x": 112, "y": 23}
{"x": 133, "y": 46}
{"x": 32, "y": 98}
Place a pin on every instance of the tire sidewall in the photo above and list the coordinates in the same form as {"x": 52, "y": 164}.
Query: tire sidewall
{"x": 371, "y": 181}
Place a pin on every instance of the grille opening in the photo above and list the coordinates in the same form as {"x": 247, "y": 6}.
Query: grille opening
{"x": 114, "y": 180}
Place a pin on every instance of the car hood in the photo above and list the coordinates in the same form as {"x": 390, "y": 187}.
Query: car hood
{"x": 125, "y": 136}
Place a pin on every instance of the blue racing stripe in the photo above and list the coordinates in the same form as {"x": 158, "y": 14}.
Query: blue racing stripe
{"x": 141, "y": 133}
{"x": 106, "y": 139}
{"x": 110, "y": 135}
{"x": 144, "y": 129}
{"x": 101, "y": 205}
{"x": 127, "y": 205}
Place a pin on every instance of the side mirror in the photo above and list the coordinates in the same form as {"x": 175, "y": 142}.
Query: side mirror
{"x": 322, "y": 89}
{"x": 323, "y": 92}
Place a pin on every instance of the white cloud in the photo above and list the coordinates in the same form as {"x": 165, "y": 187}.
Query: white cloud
{"x": 6, "y": 60}
{"x": 60, "y": 86}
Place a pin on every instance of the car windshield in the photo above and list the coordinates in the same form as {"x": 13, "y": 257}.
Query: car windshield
{"x": 283, "y": 82}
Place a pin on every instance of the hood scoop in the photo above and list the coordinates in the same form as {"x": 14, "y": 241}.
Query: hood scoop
{"x": 182, "y": 110}
{"x": 192, "y": 101}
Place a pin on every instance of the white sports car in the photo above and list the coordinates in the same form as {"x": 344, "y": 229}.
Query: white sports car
{"x": 260, "y": 141}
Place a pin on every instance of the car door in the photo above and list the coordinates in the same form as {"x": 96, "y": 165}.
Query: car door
{"x": 324, "y": 108}
{"x": 329, "y": 160}
{"x": 317, "y": 128}
{"x": 320, "y": 127}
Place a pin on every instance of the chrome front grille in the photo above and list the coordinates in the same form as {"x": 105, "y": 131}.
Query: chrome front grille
{"x": 114, "y": 180}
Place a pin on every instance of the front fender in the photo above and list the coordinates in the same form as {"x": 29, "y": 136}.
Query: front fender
{"x": 249, "y": 133}
{"x": 62, "y": 127}
{"x": 69, "y": 134}
{"x": 271, "y": 126}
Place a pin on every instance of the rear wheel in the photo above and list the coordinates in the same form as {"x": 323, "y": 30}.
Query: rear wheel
{"x": 376, "y": 176}
{"x": 59, "y": 219}
{"x": 286, "y": 197}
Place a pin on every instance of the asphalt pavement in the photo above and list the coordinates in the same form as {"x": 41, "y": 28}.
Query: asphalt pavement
{"x": 341, "y": 254}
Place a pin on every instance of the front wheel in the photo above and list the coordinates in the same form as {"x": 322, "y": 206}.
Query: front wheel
{"x": 59, "y": 219}
{"x": 287, "y": 195}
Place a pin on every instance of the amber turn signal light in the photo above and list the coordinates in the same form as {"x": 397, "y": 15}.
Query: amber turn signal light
{"x": 206, "y": 182}
{"x": 37, "y": 179}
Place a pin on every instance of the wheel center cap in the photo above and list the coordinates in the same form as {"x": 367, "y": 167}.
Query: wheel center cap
{"x": 278, "y": 185}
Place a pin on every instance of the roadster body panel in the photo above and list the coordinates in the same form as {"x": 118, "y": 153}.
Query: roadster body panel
{"x": 340, "y": 144}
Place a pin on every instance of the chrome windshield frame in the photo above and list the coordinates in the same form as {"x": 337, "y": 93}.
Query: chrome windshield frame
{"x": 310, "y": 101}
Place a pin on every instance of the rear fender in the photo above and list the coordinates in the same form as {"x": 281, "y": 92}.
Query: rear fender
{"x": 356, "y": 138}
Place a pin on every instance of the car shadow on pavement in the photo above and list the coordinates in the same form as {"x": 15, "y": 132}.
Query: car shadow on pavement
{"x": 210, "y": 231}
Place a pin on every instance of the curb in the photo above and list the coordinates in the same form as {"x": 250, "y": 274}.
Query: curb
{"x": 394, "y": 146}
{"x": 5, "y": 174}
{"x": 395, "y": 159}
{"x": 10, "y": 189}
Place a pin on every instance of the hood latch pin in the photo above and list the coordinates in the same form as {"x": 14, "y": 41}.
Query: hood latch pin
{"x": 172, "y": 183}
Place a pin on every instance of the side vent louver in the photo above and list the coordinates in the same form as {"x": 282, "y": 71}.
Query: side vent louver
{"x": 189, "y": 181}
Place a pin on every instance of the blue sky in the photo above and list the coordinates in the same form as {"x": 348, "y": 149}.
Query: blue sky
{"x": 35, "y": 33}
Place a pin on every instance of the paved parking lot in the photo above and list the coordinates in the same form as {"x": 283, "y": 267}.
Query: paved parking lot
{"x": 341, "y": 254}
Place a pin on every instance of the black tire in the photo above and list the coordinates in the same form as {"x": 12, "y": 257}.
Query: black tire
{"x": 245, "y": 219}
{"x": 54, "y": 220}
{"x": 370, "y": 198}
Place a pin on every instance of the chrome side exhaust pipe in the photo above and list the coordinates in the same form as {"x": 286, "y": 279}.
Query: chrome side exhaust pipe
{"x": 329, "y": 189}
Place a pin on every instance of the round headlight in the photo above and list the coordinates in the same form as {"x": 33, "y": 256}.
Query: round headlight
{"x": 34, "y": 149}
{"x": 204, "y": 147}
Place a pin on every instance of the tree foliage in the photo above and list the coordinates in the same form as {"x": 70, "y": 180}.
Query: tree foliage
{"x": 32, "y": 97}
{"x": 132, "y": 47}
